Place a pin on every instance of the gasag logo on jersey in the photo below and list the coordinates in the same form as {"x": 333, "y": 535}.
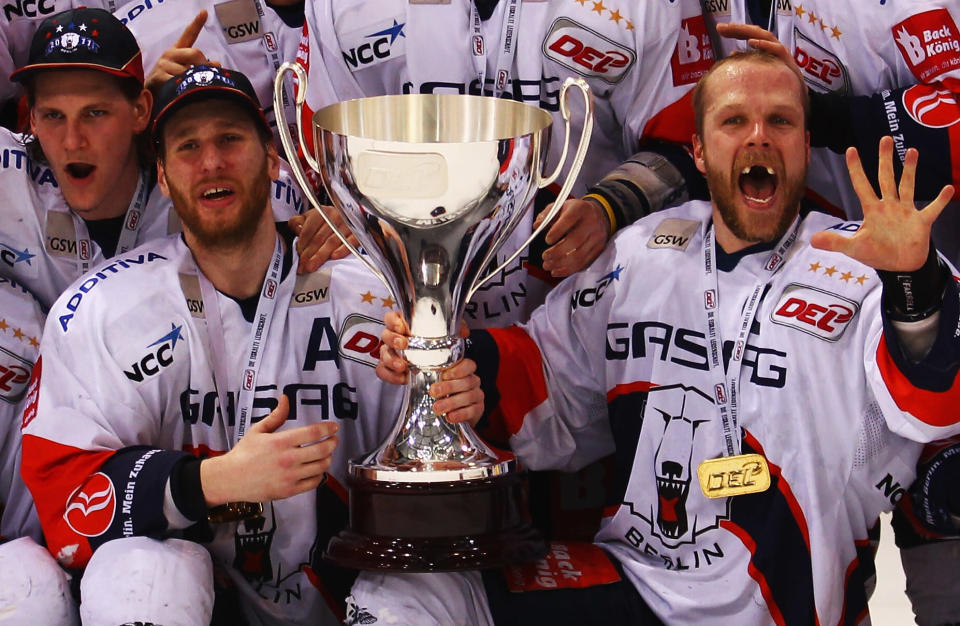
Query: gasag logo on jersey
{"x": 693, "y": 55}
{"x": 239, "y": 20}
{"x": 311, "y": 288}
{"x": 929, "y": 42}
{"x": 821, "y": 69}
{"x": 813, "y": 311}
{"x": 930, "y": 106}
{"x": 135, "y": 11}
{"x": 91, "y": 506}
{"x": 28, "y": 8}
{"x": 19, "y": 261}
{"x": 360, "y": 339}
{"x": 159, "y": 355}
{"x": 374, "y": 44}
{"x": 586, "y": 298}
{"x": 14, "y": 376}
{"x": 673, "y": 233}
{"x": 587, "y": 52}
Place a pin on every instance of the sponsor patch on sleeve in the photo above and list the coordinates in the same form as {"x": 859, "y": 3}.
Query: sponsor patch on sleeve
{"x": 931, "y": 107}
{"x": 311, "y": 288}
{"x": 813, "y": 311}
{"x": 239, "y": 20}
{"x": 693, "y": 55}
{"x": 90, "y": 508}
{"x": 930, "y": 43}
{"x": 673, "y": 233}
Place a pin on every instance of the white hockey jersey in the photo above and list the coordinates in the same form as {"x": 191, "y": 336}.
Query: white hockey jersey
{"x": 621, "y": 48}
{"x": 45, "y": 246}
{"x": 236, "y": 35}
{"x": 124, "y": 388}
{"x": 847, "y": 49}
{"x": 21, "y": 322}
{"x": 623, "y": 349}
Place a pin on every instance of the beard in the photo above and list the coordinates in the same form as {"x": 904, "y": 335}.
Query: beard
{"x": 755, "y": 226}
{"x": 215, "y": 232}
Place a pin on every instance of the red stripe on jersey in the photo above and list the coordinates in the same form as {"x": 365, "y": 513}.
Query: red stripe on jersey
{"x": 610, "y": 511}
{"x": 784, "y": 488}
{"x": 520, "y": 378}
{"x": 202, "y": 451}
{"x": 640, "y": 386}
{"x": 333, "y": 603}
{"x": 54, "y": 472}
{"x": 674, "y": 123}
{"x": 336, "y": 487}
{"x": 825, "y": 204}
{"x": 744, "y": 537}
{"x": 934, "y": 408}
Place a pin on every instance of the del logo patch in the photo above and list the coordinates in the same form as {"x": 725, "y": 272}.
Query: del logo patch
{"x": 91, "y": 506}
{"x": 14, "y": 376}
{"x": 586, "y": 52}
{"x": 673, "y": 233}
{"x": 360, "y": 339}
{"x": 929, "y": 43}
{"x": 813, "y": 311}
{"x": 821, "y": 68}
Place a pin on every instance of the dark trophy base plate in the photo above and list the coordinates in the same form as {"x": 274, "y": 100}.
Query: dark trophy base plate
{"x": 429, "y": 527}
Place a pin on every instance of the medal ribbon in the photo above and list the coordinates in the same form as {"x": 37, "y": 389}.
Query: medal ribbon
{"x": 128, "y": 234}
{"x": 726, "y": 387}
{"x": 266, "y": 306}
{"x": 274, "y": 57}
{"x": 507, "y": 46}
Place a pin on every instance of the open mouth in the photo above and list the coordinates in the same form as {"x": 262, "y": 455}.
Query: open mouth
{"x": 79, "y": 170}
{"x": 217, "y": 193}
{"x": 758, "y": 183}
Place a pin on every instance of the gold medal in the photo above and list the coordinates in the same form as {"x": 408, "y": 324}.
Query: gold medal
{"x": 234, "y": 512}
{"x": 734, "y": 475}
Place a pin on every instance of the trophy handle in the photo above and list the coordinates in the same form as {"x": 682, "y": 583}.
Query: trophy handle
{"x": 575, "y": 166}
{"x": 294, "y": 160}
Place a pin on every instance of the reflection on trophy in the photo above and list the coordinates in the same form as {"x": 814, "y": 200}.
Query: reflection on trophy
{"x": 432, "y": 186}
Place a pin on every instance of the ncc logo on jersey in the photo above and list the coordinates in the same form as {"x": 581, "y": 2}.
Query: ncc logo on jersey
{"x": 374, "y": 44}
{"x": 360, "y": 339}
{"x": 91, "y": 506}
{"x": 932, "y": 107}
{"x": 693, "y": 55}
{"x": 929, "y": 42}
{"x": 20, "y": 261}
{"x": 813, "y": 311}
{"x": 587, "y": 52}
{"x": 14, "y": 376}
{"x": 821, "y": 68}
{"x": 585, "y": 298}
{"x": 159, "y": 355}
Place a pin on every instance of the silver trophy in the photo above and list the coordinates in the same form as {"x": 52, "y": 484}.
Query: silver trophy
{"x": 432, "y": 186}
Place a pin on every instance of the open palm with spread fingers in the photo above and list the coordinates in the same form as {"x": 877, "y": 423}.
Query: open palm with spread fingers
{"x": 894, "y": 236}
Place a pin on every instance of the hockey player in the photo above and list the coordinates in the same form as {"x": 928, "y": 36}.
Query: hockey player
{"x": 192, "y": 379}
{"x": 764, "y": 378}
{"x": 33, "y": 588}
{"x": 82, "y": 184}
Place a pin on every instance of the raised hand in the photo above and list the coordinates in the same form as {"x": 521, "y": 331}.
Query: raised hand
{"x": 269, "y": 465}
{"x": 894, "y": 236}
{"x": 181, "y": 55}
{"x": 577, "y": 236}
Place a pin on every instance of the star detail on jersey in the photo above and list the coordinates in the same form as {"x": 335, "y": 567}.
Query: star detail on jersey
{"x": 367, "y": 297}
{"x": 814, "y": 266}
{"x": 862, "y": 279}
{"x": 388, "y": 302}
{"x": 615, "y": 16}
{"x": 394, "y": 31}
{"x": 812, "y": 17}
{"x": 3, "y": 325}
{"x": 836, "y": 33}
{"x": 846, "y": 276}
{"x": 800, "y": 10}
{"x": 830, "y": 271}
{"x": 173, "y": 337}
{"x": 598, "y": 7}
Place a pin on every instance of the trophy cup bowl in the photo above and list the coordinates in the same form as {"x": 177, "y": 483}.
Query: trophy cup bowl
{"x": 432, "y": 186}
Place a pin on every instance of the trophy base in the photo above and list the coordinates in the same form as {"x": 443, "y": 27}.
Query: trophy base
{"x": 429, "y": 527}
